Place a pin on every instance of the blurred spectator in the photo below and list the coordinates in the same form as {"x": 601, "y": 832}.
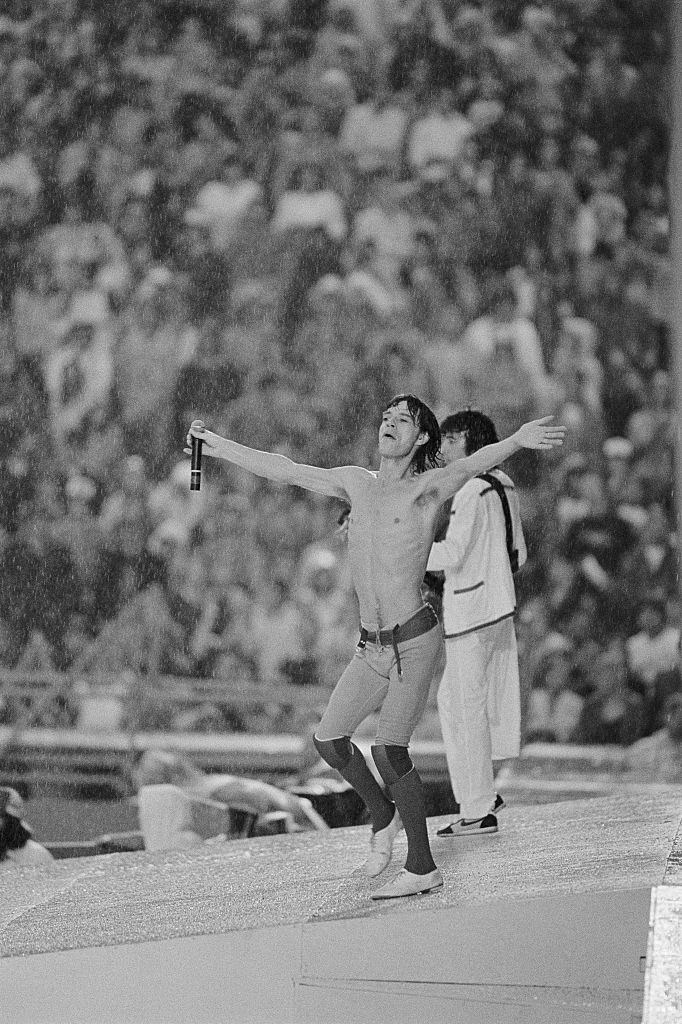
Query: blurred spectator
{"x": 451, "y": 364}
{"x": 40, "y": 587}
{"x": 653, "y": 654}
{"x": 209, "y": 273}
{"x": 16, "y": 843}
{"x": 578, "y": 374}
{"x": 19, "y": 176}
{"x": 614, "y": 712}
{"x": 38, "y": 308}
{"x": 438, "y": 133}
{"x": 282, "y": 635}
{"x": 78, "y": 374}
{"x": 325, "y": 593}
{"x": 171, "y": 500}
{"x": 367, "y": 286}
{"x": 23, "y": 409}
{"x": 387, "y": 224}
{"x": 502, "y": 334}
{"x": 651, "y": 564}
{"x": 79, "y": 531}
{"x": 421, "y": 276}
{"x": 373, "y": 132}
{"x": 308, "y": 203}
{"x": 309, "y": 224}
{"x": 610, "y": 94}
{"x": 277, "y": 219}
{"x": 618, "y": 452}
{"x": 598, "y": 536}
{"x": 554, "y": 705}
{"x": 210, "y": 379}
{"x": 155, "y": 343}
{"x": 225, "y": 204}
{"x": 658, "y": 758}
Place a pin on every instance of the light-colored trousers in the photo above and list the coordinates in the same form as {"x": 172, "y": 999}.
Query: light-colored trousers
{"x": 371, "y": 682}
{"x": 480, "y": 711}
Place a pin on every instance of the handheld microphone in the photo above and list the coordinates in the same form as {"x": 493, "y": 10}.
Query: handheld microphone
{"x": 195, "y": 465}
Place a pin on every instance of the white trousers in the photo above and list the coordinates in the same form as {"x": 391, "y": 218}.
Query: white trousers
{"x": 480, "y": 711}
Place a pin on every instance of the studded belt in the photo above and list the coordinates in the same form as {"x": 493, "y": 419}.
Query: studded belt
{"x": 421, "y": 622}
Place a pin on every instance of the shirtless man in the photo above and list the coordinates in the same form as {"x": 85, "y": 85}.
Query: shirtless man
{"x": 391, "y": 528}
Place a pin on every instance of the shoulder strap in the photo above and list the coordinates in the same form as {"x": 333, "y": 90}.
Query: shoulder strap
{"x": 498, "y": 487}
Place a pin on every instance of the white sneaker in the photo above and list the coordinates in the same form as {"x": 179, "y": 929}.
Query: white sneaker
{"x": 406, "y": 883}
{"x": 381, "y": 847}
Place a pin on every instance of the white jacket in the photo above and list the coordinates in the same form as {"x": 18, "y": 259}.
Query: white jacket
{"x": 479, "y": 583}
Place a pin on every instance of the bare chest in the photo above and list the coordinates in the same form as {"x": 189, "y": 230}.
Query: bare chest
{"x": 394, "y": 516}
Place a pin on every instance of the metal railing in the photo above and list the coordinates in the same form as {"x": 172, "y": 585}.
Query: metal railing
{"x": 36, "y": 694}
{"x": 69, "y": 759}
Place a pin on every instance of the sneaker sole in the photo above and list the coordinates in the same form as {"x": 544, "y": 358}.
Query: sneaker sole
{"x": 433, "y": 888}
{"x": 406, "y": 895}
{"x": 468, "y": 835}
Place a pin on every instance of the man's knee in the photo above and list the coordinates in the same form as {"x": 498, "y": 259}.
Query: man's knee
{"x": 336, "y": 752}
{"x": 393, "y": 762}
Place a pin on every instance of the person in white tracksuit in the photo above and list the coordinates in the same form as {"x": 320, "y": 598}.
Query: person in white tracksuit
{"x": 479, "y": 694}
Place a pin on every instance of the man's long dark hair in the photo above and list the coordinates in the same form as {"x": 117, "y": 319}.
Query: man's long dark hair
{"x": 427, "y": 456}
{"x": 478, "y": 429}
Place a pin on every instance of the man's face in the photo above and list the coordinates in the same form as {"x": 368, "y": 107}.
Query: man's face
{"x": 399, "y": 435}
{"x": 453, "y": 446}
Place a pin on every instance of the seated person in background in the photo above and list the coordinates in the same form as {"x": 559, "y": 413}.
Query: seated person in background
{"x": 16, "y": 844}
{"x": 170, "y": 819}
{"x": 169, "y": 771}
{"x": 658, "y": 758}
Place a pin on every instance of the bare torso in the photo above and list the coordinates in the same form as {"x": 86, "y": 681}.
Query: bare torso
{"x": 390, "y": 533}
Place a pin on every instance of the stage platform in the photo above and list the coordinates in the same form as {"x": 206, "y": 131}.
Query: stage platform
{"x": 547, "y": 922}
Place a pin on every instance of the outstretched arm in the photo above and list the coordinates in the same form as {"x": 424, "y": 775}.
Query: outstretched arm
{"x": 540, "y": 435}
{"x": 269, "y": 464}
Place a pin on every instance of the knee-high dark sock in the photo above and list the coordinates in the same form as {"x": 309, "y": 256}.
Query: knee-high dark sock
{"x": 408, "y": 794}
{"x": 381, "y": 809}
{"x": 405, "y": 786}
{"x": 349, "y": 761}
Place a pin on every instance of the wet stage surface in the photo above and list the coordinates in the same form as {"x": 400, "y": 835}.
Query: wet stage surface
{"x": 604, "y": 844}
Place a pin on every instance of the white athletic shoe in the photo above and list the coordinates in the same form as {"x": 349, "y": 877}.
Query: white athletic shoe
{"x": 406, "y": 883}
{"x": 381, "y": 847}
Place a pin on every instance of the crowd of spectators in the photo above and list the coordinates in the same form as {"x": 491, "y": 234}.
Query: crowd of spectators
{"x": 276, "y": 214}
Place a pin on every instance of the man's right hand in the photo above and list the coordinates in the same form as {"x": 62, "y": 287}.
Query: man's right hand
{"x": 209, "y": 439}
